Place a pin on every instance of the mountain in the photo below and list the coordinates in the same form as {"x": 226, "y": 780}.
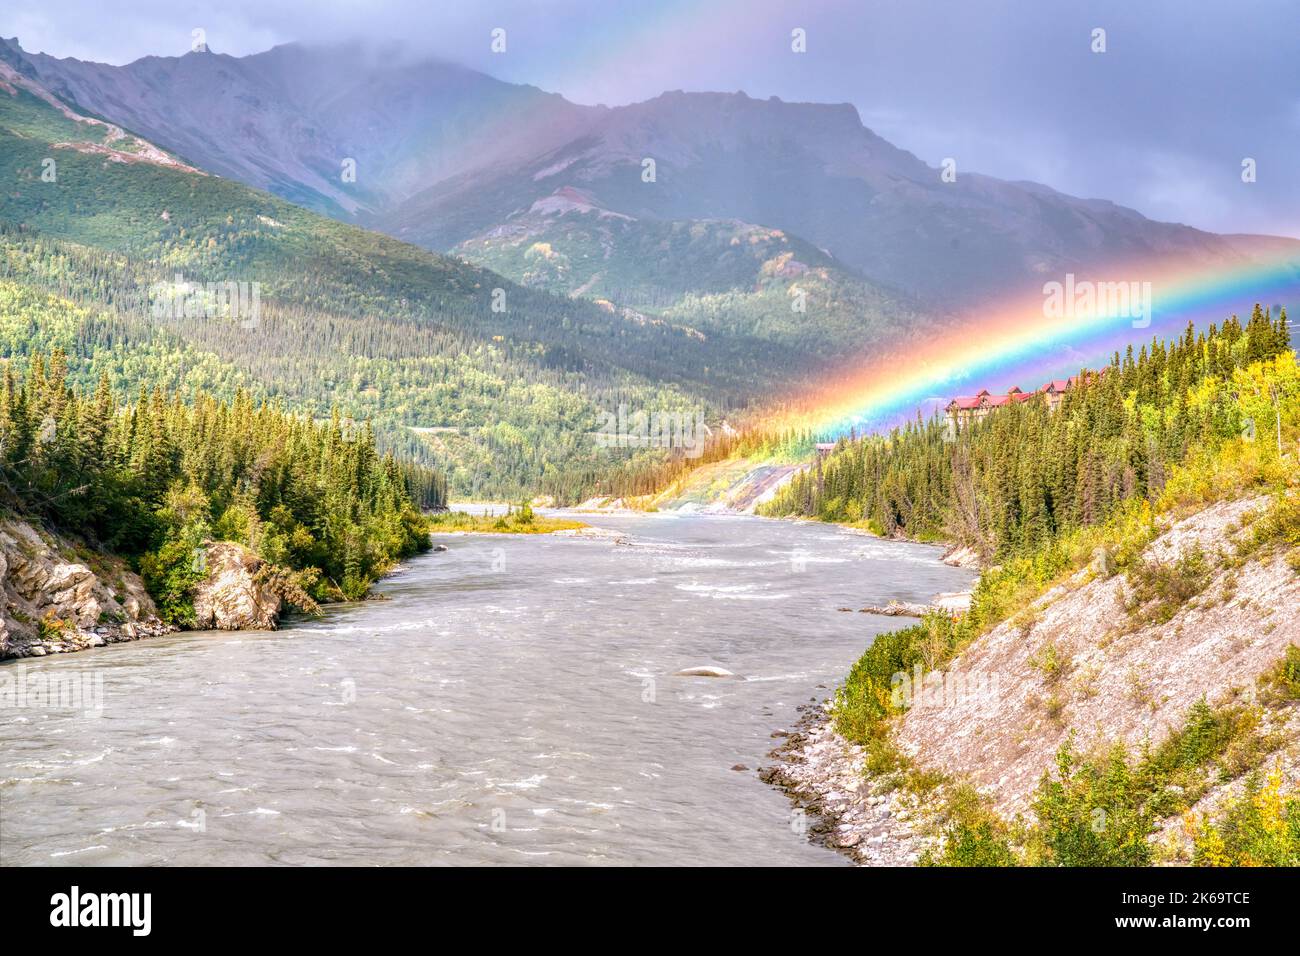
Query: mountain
{"x": 502, "y": 398}
{"x": 285, "y": 120}
{"x": 814, "y": 171}
{"x": 446, "y": 155}
{"x": 719, "y": 276}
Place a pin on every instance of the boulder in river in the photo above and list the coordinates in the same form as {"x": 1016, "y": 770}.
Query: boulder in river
{"x": 704, "y": 671}
{"x": 897, "y": 609}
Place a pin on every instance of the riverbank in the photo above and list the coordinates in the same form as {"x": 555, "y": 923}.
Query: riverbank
{"x": 515, "y": 521}
{"x": 846, "y": 809}
{"x": 865, "y": 817}
{"x": 1114, "y": 667}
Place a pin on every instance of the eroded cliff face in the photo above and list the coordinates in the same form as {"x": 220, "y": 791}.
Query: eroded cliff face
{"x": 234, "y": 597}
{"x": 61, "y": 597}
{"x": 1077, "y": 661}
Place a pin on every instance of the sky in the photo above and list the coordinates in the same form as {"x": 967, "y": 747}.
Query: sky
{"x": 1162, "y": 120}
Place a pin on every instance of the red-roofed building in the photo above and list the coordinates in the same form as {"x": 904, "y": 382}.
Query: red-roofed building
{"x": 1055, "y": 391}
{"x": 966, "y": 409}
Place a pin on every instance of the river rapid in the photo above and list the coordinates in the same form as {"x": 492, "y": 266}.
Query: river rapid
{"x": 511, "y": 701}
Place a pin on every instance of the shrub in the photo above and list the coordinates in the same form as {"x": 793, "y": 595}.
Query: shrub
{"x": 1092, "y": 813}
{"x": 980, "y": 844}
{"x": 173, "y": 571}
{"x": 975, "y": 835}
{"x": 50, "y": 627}
{"x": 1258, "y": 828}
{"x": 1281, "y": 683}
{"x": 1051, "y": 662}
{"x": 864, "y": 701}
{"x": 1160, "y": 589}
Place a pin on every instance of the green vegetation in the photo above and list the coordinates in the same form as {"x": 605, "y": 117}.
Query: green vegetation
{"x": 1100, "y": 808}
{"x": 1282, "y": 684}
{"x": 1159, "y": 590}
{"x": 1259, "y": 828}
{"x": 155, "y": 478}
{"x": 520, "y": 520}
{"x": 497, "y": 385}
{"x": 1014, "y": 482}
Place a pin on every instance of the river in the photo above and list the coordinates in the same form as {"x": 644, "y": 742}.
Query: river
{"x": 512, "y": 701}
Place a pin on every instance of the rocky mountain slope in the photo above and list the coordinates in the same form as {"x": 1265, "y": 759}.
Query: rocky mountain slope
{"x": 1100, "y": 660}
{"x": 1084, "y": 659}
{"x": 285, "y": 120}
{"x": 444, "y": 154}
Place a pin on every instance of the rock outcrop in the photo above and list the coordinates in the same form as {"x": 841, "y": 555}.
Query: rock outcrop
{"x": 234, "y": 597}
{"x": 961, "y": 556}
{"x": 1078, "y": 659}
{"x": 59, "y": 596}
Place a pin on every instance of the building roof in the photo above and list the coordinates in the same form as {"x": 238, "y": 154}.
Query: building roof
{"x": 983, "y": 399}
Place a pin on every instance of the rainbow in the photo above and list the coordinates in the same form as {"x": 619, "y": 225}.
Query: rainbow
{"x": 1024, "y": 342}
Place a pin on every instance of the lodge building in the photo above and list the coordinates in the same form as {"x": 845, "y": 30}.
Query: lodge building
{"x": 972, "y": 408}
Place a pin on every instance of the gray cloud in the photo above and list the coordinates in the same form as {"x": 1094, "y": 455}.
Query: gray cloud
{"x": 1161, "y": 121}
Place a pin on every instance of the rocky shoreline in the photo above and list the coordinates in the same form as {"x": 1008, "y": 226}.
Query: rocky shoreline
{"x": 58, "y": 596}
{"x": 865, "y": 818}
{"x": 70, "y": 641}
{"x": 824, "y": 776}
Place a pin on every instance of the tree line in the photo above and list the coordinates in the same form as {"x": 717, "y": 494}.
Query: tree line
{"x": 155, "y": 477}
{"x": 1010, "y": 482}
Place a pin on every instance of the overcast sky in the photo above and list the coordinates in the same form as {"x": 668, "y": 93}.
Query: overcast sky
{"x": 1160, "y": 121}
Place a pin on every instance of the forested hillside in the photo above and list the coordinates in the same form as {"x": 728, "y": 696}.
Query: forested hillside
{"x": 497, "y": 384}
{"x": 155, "y": 477}
{"x": 718, "y": 276}
{"x": 1024, "y": 474}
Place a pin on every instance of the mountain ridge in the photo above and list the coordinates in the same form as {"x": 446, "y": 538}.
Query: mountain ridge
{"x": 444, "y": 153}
